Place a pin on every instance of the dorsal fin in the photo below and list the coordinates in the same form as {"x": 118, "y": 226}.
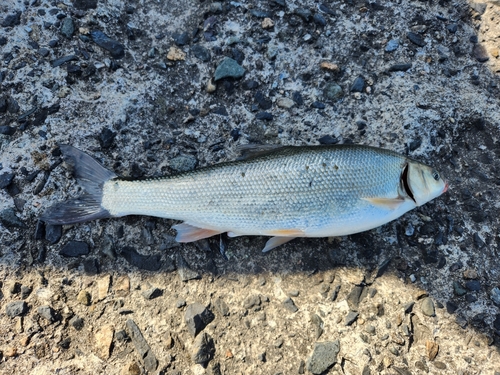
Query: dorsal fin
{"x": 253, "y": 150}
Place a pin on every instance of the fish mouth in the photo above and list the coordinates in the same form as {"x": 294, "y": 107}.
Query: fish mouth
{"x": 446, "y": 186}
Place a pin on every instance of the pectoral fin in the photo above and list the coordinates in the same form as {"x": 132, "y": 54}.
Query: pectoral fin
{"x": 387, "y": 203}
{"x": 189, "y": 233}
{"x": 275, "y": 242}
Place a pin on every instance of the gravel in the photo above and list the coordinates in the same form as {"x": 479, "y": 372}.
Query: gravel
{"x": 146, "y": 98}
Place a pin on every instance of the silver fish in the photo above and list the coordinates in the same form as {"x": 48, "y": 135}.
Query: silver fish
{"x": 312, "y": 191}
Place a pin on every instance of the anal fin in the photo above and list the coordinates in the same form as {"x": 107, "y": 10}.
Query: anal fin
{"x": 189, "y": 233}
{"x": 275, "y": 242}
{"x": 387, "y": 203}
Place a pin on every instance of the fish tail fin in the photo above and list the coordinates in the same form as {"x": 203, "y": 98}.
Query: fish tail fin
{"x": 91, "y": 176}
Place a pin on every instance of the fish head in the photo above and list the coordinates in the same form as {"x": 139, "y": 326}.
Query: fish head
{"x": 422, "y": 183}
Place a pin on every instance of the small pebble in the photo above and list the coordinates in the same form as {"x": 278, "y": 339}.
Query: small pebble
{"x": 84, "y": 298}
{"x": 351, "y": 317}
{"x": 416, "y": 39}
{"x": 228, "y": 68}
{"x": 332, "y": 91}
{"x": 290, "y": 305}
{"x": 116, "y": 49}
{"x": 16, "y": 308}
{"x": 48, "y": 313}
{"x": 392, "y": 45}
{"x": 428, "y": 306}
{"x": 74, "y": 249}
{"x": 197, "y": 317}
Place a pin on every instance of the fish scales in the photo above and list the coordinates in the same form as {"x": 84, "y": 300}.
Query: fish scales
{"x": 304, "y": 189}
{"x": 314, "y": 191}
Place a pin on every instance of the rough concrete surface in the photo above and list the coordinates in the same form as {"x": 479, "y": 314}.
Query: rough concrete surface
{"x": 134, "y": 85}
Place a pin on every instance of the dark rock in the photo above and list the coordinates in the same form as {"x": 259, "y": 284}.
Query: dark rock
{"x": 416, "y": 39}
{"x": 12, "y": 20}
{"x": 197, "y": 317}
{"x": 53, "y": 43}
{"x": 452, "y": 28}
{"x": 480, "y": 54}
{"x": 221, "y": 307}
{"x": 144, "y": 262}
{"x": 63, "y": 60}
{"x": 39, "y": 230}
{"x": 121, "y": 336}
{"x": 25, "y": 291}
{"x": 318, "y": 325}
{"x": 478, "y": 241}
{"x": 458, "y": 289}
{"x": 67, "y": 27}
{"x": 16, "y": 308}
{"x": 116, "y": 49}
{"x": 260, "y": 13}
{"x": 201, "y": 53}
{"x": 355, "y": 297}
{"x": 203, "y": 349}
{"x": 91, "y": 266}
{"x": 181, "y": 39}
{"x": 221, "y": 110}
{"x": 146, "y": 355}
{"x": 76, "y": 322}
{"x": 328, "y": 140}
{"x": 351, "y": 318}
{"x": 325, "y": 9}
{"x": 496, "y": 322}
{"x": 6, "y": 179}
{"x": 3, "y": 41}
{"x": 319, "y": 20}
{"x": 332, "y": 91}
{"x": 451, "y": 307}
{"x": 263, "y": 102}
{"x": 48, "y": 313}
{"x": 235, "y": 134}
{"x": 358, "y": 85}
{"x": 290, "y": 305}
{"x": 183, "y": 269}
{"x": 152, "y": 293}
{"x": 40, "y": 116}
{"x": 106, "y": 138}
{"x": 107, "y": 247}
{"x": 10, "y": 220}
{"x": 403, "y": 67}
{"x": 318, "y": 105}
{"x": 470, "y": 298}
{"x": 408, "y": 308}
{"x": 473, "y": 285}
{"x": 250, "y": 85}
{"x": 297, "y": 98}
{"x": 85, "y": 4}
{"x": 416, "y": 143}
{"x": 65, "y": 343}
{"x": 323, "y": 357}
{"x": 428, "y": 307}
{"x": 229, "y": 68}
{"x": 74, "y": 249}
{"x": 238, "y": 56}
{"x": 3, "y": 104}
{"x": 74, "y": 69}
{"x": 303, "y": 13}
{"x": 264, "y": 116}
{"x": 41, "y": 254}
{"x": 12, "y": 105}
{"x": 44, "y": 52}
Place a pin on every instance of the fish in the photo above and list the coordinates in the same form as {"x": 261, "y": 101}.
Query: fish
{"x": 284, "y": 193}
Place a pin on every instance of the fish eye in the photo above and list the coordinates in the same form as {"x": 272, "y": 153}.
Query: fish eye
{"x": 435, "y": 175}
